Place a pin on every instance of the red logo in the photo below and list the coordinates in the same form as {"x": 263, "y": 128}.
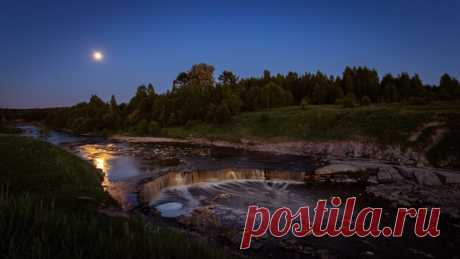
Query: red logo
{"x": 366, "y": 222}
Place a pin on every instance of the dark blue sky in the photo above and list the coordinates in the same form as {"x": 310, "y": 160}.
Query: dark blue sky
{"x": 45, "y": 46}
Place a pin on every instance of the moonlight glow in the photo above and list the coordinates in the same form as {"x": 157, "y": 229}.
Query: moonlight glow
{"x": 98, "y": 56}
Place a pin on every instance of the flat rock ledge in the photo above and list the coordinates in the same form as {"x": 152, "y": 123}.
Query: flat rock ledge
{"x": 402, "y": 186}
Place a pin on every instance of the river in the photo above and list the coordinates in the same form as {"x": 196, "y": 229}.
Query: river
{"x": 207, "y": 189}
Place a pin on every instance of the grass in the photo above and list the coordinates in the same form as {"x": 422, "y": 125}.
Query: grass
{"x": 41, "y": 217}
{"x": 390, "y": 124}
{"x": 385, "y": 123}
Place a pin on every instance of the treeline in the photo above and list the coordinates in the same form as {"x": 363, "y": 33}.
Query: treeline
{"x": 196, "y": 96}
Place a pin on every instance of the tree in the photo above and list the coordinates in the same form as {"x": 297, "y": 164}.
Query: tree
{"x": 320, "y": 94}
{"x": 403, "y": 83}
{"x": 449, "y": 87}
{"x": 223, "y": 114}
{"x": 113, "y": 104}
{"x": 202, "y": 75}
{"x": 389, "y": 90}
{"x": 267, "y": 75}
{"x": 348, "y": 75}
{"x": 154, "y": 128}
{"x": 228, "y": 78}
{"x": 365, "y": 101}
{"x": 141, "y": 94}
{"x": 180, "y": 81}
{"x": 273, "y": 95}
{"x": 150, "y": 91}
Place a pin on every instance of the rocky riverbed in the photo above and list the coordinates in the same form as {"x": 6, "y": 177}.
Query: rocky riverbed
{"x": 206, "y": 186}
{"x": 402, "y": 186}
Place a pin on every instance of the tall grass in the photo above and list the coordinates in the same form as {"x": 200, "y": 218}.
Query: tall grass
{"x": 40, "y": 216}
{"x": 32, "y": 228}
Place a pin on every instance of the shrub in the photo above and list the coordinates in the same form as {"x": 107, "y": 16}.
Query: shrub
{"x": 417, "y": 101}
{"x": 263, "y": 118}
{"x": 348, "y": 102}
{"x": 304, "y": 103}
{"x": 154, "y": 128}
{"x": 223, "y": 114}
{"x": 365, "y": 101}
{"x": 142, "y": 127}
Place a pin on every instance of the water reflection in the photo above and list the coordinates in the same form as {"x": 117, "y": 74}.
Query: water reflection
{"x": 111, "y": 161}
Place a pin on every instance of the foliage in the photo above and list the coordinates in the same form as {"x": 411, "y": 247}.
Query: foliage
{"x": 196, "y": 96}
{"x": 304, "y": 103}
{"x": 446, "y": 153}
{"x": 417, "y": 101}
{"x": 348, "y": 102}
{"x": 365, "y": 101}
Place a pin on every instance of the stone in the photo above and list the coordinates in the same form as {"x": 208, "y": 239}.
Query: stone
{"x": 338, "y": 168}
{"x": 395, "y": 175}
{"x": 369, "y": 253}
{"x": 449, "y": 178}
{"x": 388, "y": 174}
{"x": 384, "y": 177}
{"x": 372, "y": 180}
{"x": 427, "y": 178}
{"x": 406, "y": 172}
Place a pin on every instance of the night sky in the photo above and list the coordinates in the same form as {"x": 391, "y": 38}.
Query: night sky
{"x": 46, "y": 46}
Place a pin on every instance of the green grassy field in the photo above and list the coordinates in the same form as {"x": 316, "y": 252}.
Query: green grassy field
{"x": 42, "y": 217}
{"x": 384, "y": 123}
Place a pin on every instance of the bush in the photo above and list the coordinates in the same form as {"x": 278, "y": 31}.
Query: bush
{"x": 263, "y": 118}
{"x": 223, "y": 114}
{"x": 365, "y": 101}
{"x": 154, "y": 128}
{"x": 348, "y": 102}
{"x": 339, "y": 101}
{"x": 304, "y": 103}
{"x": 81, "y": 125}
{"x": 417, "y": 101}
{"x": 142, "y": 127}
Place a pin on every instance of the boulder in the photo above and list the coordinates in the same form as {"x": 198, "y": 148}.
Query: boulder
{"x": 427, "y": 178}
{"x": 384, "y": 177}
{"x": 449, "y": 178}
{"x": 388, "y": 174}
{"x": 372, "y": 180}
{"x": 338, "y": 169}
{"x": 406, "y": 172}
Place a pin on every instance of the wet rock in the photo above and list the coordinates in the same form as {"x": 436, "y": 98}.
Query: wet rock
{"x": 427, "y": 178}
{"x": 325, "y": 254}
{"x": 338, "y": 168}
{"x": 449, "y": 178}
{"x": 343, "y": 179}
{"x": 168, "y": 162}
{"x": 201, "y": 219}
{"x": 406, "y": 172}
{"x": 384, "y": 177}
{"x": 339, "y": 173}
{"x": 420, "y": 253}
{"x": 388, "y": 174}
{"x": 369, "y": 253}
{"x": 372, "y": 180}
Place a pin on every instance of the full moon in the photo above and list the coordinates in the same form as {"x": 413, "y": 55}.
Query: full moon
{"x": 98, "y": 56}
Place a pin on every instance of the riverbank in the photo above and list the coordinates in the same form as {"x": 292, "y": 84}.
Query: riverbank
{"x": 52, "y": 205}
{"x": 416, "y": 135}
